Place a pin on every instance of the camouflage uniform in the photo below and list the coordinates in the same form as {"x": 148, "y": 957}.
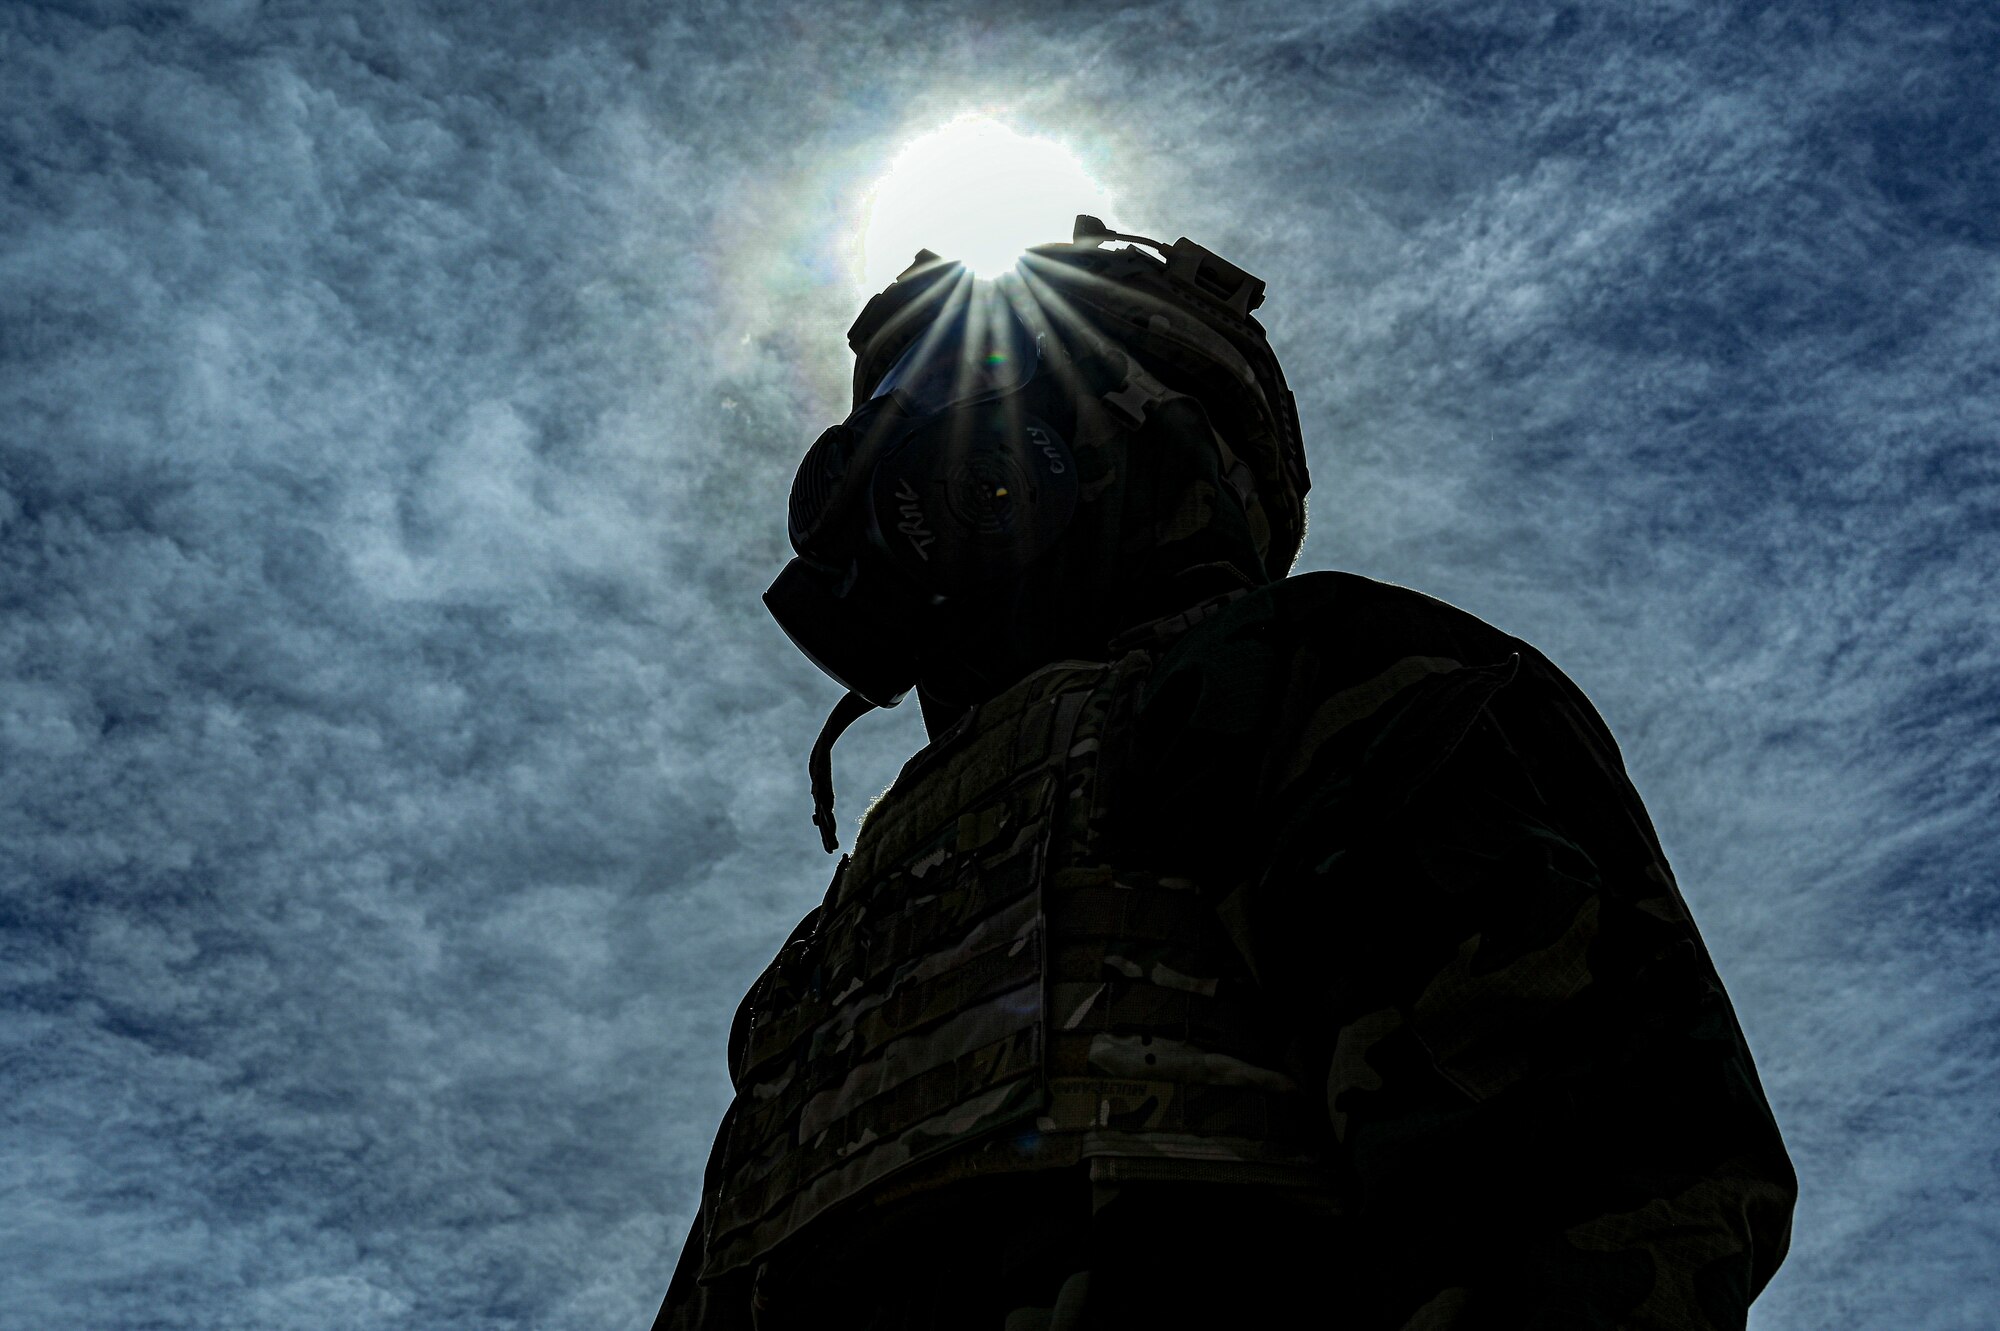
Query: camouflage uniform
{"x": 1312, "y": 952}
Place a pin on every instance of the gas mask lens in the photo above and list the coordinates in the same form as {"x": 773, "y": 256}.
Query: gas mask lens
{"x": 980, "y": 351}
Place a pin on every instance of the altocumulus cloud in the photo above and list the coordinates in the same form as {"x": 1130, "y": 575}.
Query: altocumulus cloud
{"x": 396, "y": 405}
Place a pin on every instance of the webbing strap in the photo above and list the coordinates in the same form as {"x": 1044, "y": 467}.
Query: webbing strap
{"x": 819, "y": 765}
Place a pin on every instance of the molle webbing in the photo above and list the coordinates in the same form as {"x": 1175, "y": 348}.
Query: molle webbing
{"x": 982, "y": 992}
{"x": 910, "y": 1019}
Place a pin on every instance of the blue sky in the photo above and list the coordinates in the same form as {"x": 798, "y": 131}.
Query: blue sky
{"x": 402, "y": 780}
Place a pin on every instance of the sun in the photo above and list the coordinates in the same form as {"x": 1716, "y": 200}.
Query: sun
{"x": 978, "y": 191}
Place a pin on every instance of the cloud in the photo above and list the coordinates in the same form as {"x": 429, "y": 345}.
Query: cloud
{"x": 403, "y": 781}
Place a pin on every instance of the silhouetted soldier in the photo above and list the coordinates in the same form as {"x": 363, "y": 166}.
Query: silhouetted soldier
{"x": 1242, "y": 947}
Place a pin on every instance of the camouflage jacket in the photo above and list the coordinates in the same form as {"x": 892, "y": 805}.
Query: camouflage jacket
{"x": 1370, "y": 873}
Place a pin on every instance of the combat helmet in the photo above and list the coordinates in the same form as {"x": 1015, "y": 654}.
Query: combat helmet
{"x": 1185, "y": 312}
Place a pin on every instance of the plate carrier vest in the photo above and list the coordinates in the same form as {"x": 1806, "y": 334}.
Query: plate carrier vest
{"x": 984, "y": 991}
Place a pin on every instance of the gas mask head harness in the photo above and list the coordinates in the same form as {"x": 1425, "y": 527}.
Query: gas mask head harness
{"x": 957, "y": 471}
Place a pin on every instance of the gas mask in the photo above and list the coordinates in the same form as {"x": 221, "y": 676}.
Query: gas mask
{"x": 945, "y": 484}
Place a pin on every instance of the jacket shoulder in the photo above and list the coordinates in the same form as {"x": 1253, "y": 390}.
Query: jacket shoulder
{"x": 1351, "y": 630}
{"x": 1328, "y": 631}
{"x": 1365, "y": 619}
{"x": 1292, "y": 684}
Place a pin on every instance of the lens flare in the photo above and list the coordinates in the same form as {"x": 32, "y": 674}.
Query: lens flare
{"x": 978, "y": 191}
